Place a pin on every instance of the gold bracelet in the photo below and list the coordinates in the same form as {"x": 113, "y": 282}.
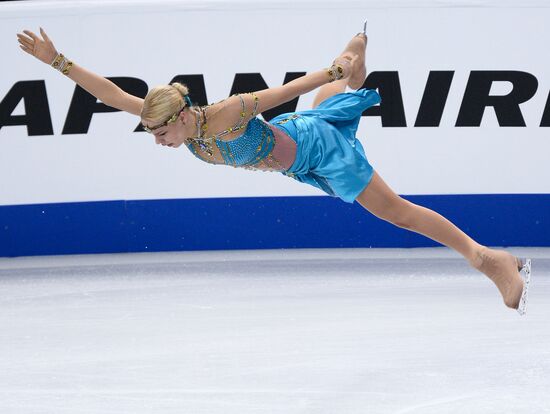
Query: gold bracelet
{"x": 57, "y": 61}
{"x": 62, "y": 64}
{"x": 67, "y": 68}
{"x": 336, "y": 72}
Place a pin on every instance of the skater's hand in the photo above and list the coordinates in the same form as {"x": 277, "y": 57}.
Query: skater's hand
{"x": 42, "y": 49}
{"x": 348, "y": 63}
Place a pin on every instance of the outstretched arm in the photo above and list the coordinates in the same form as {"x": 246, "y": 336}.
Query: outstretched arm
{"x": 103, "y": 89}
{"x": 272, "y": 97}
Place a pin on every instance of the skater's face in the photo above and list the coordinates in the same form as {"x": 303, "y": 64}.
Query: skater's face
{"x": 170, "y": 134}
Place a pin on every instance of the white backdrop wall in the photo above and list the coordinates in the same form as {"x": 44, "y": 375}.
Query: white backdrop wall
{"x": 110, "y": 189}
{"x": 156, "y": 40}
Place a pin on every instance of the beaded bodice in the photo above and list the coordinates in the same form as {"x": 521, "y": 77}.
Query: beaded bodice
{"x": 251, "y": 150}
{"x": 255, "y": 144}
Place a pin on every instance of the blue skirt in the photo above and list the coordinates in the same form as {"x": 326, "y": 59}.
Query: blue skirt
{"x": 328, "y": 155}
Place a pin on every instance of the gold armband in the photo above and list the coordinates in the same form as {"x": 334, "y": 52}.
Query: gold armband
{"x": 335, "y": 72}
{"x": 62, "y": 64}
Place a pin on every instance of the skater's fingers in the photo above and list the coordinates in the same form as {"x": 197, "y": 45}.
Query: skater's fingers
{"x": 44, "y": 35}
{"x": 26, "y": 49}
{"x": 24, "y": 41}
{"x": 32, "y": 35}
{"x": 342, "y": 60}
{"x": 346, "y": 55}
{"x": 24, "y": 38}
{"x": 353, "y": 64}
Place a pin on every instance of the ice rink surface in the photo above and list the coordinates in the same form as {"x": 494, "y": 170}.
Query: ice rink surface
{"x": 285, "y": 331}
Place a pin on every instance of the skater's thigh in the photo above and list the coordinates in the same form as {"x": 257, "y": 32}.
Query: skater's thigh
{"x": 328, "y": 90}
{"x": 379, "y": 199}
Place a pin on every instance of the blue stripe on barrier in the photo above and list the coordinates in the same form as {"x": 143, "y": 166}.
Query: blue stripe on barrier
{"x": 258, "y": 223}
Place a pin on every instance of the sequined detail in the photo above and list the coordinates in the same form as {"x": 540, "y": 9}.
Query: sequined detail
{"x": 284, "y": 121}
{"x": 206, "y": 143}
{"x": 252, "y": 146}
{"x": 251, "y": 150}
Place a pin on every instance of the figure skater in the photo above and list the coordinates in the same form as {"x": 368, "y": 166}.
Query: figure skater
{"x": 316, "y": 146}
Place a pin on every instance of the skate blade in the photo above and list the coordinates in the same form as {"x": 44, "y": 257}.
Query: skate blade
{"x": 525, "y": 273}
{"x": 365, "y": 28}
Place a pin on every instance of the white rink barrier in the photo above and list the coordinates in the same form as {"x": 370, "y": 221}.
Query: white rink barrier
{"x": 464, "y": 116}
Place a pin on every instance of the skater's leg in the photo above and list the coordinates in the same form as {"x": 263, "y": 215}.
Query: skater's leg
{"x": 355, "y": 47}
{"x": 380, "y": 200}
{"x": 501, "y": 267}
{"x": 328, "y": 90}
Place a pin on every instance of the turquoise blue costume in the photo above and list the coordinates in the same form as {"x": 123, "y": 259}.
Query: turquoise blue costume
{"x": 329, "y": 156}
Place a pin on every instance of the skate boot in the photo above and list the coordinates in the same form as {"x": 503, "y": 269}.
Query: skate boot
{"x": 356, "y": 47}
{"x": 510, "y": 274}
{"x": 525, "y": 273}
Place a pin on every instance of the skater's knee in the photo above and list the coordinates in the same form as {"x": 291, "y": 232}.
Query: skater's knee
{"x": 408, "y": 215}
{"x": 399, "y": 213}
{"x": 403, "y": 219}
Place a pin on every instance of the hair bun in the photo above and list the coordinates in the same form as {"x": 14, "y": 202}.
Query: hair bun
{"x": 181, "y": 88}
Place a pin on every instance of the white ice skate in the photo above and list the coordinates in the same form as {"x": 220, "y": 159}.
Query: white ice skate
{"x": 525, "y": 272}
{"x": 357, "y": 47}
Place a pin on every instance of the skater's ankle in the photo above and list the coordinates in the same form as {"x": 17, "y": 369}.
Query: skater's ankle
{"x": 476, "y": 256}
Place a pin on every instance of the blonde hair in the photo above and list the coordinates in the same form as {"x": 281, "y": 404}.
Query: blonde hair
{"x": 164, "y": 101}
